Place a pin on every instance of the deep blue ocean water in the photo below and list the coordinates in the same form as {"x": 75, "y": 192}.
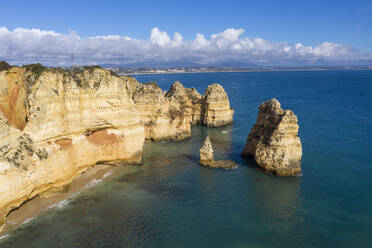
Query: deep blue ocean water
{"x": 170, "y": 201}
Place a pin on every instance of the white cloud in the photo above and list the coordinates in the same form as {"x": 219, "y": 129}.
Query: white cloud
{"x": 226, "y": 38}
{"x": 177, "y": 39}
{"x": 200, "y": 41}
{"x": 159, "y": 37}
{"x": 21, "y": 46}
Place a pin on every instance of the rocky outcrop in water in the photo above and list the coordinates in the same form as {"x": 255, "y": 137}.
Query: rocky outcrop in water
{"x": 215, "y": 107}
{"x": 189, "y": 98}
{"x": 273, "y": 140}
{"x": 56, "y": 123}
{"x": 207, "y": 157}
{"x": 163, "y": 118}
{"x": 206, "y": 152}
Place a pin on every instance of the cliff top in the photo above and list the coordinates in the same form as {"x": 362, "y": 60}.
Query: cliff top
{"x": 38, "y": 69}
{"x": 178, "y": 91}
{"x": 271, "y": 106}
{"x": 207, "y": 144}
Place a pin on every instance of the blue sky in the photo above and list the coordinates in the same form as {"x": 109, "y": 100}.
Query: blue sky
{"x": 310, "y": 23}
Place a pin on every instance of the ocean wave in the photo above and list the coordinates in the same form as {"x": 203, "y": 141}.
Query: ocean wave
{"x": 107, "y": 174}
{"x": 64, "y": 202}
{"x": 93, "y": 183}
{"x": 90, "y": 185}
{"x": 4, "y": 236}
{"x": 27, "y": 220}
{"x": 61, "y": 204}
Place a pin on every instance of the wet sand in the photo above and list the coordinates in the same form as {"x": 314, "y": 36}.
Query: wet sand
{"x": 40, "y": 204}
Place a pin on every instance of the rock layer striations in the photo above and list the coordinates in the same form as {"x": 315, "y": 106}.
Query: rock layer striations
{"x": 56, "y": 123}
{"x": 273, "y": 140}
{"x": 215, "y": 108}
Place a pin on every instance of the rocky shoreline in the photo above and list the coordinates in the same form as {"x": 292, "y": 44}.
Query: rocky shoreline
{"x": 41, "y": 204}
{"x": 57, "y": 123}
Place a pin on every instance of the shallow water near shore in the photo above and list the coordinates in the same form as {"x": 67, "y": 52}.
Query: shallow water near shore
{"x": 170, "y": 201}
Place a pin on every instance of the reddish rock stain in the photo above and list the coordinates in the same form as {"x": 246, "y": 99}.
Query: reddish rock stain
{"x": 102, "y": 138}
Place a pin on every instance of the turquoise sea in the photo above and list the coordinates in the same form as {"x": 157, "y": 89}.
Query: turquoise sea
{"x": 170, "y": 201}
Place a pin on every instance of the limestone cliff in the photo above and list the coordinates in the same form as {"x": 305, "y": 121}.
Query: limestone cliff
{"x": 189, "y": 98}
{"x": 215, "y": 107}
{"x": 56, "y": 123}
{"x": 59, "y": 123}
{"x": 165, "y": 116}
{"x": 169, "y": 116}
{"x": 273, "y": 140}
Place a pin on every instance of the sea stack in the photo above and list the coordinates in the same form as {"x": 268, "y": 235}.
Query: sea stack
{"x": 215, "y": 107}
{"x": 207, "y": 157}
{"x": 273, "y": 140}
{"x": 206, "y": 152}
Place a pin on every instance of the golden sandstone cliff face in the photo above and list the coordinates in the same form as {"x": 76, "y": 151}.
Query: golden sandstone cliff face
{"x": 55, "y": 124}
{"x": 165, "y": 116}
{"x": 206, "y": 152}
{"x": 273, "y": 140}
{"x": 215, "y": 110}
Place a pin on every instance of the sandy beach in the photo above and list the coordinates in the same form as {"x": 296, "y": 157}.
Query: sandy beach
{"x": 41, "y": 204}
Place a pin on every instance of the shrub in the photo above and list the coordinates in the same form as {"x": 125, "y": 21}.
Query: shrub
{"x": 4, "y": 66}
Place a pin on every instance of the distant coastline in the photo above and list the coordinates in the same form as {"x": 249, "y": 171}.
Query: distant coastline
{"x": 147, "y": 71}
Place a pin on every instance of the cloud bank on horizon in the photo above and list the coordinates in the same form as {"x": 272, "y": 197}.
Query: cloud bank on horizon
{"x": 23, "y": 46}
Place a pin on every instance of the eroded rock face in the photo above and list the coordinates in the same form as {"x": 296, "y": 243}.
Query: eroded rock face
{"x": 13, "y": 96}
{"x": 273, "y": 140}
{"x": 55, "y": 124}
{"x": 207, "y": 157}
{"x": 206, "y": 152}
{"x": 215, "y": 107}
{"x": 68, "y": 122}
{"x": 189, "y": 98}
{"x": 165, "y": 116}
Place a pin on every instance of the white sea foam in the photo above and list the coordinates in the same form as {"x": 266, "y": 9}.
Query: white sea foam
{"x": 4, "y": 236}
{"x": 90, "y": 185}
{"x": 64, "y": 202}
{"x": 27, "y": 220}
{"x": 61, "y": 204}
{"x": 93, "y": 183}
{"x": 107, "y": 174}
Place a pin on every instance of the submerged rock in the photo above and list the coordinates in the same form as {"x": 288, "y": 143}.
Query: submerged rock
{"x": 224, "y": 164}
{"x": 207, "y": 157}
{"x": 273, "y": 140}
